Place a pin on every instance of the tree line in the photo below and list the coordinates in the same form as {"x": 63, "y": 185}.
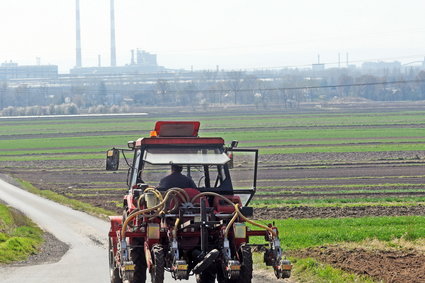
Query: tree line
{"x": 284, "y": 88}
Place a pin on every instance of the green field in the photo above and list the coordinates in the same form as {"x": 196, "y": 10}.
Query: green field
{"x": 273, "y": 134}
{"x": 304, "y": 233}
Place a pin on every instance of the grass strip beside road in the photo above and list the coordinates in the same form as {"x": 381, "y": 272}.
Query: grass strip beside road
{"x": 19, "y": 236}
{"x": 310, "y": 270}
{"x": 75, "y": 204}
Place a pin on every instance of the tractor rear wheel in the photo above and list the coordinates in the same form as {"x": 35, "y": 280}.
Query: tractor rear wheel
{"x": 246, "y": 269}
{"x": 140, "y": 266}
{"x": 206, "y": 276}
{"x": 113, "y": 269}
{"x": 245, "y": 275}
{"x": 158, "y": 260}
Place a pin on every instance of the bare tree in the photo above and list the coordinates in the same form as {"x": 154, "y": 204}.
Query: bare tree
{"x": 235, "y": 83}
{"x": 162, "y": 87}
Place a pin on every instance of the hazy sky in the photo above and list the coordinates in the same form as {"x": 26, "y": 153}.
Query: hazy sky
{"x": 228, "y": 33}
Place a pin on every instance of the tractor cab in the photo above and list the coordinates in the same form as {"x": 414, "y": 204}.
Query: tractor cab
{"x": 213, "y": 166}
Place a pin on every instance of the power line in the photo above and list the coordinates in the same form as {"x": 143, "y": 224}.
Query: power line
{"x": 344, "y": 85}
{"x": 307, "y": 87}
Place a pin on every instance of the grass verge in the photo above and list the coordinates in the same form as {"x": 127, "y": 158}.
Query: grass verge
{"x": 75, "y": 204}
{"x": 19, "y": 236}
{"x": 310, "y": 270}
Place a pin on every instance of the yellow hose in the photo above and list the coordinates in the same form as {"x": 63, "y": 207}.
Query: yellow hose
{"x": 155, "y": 191}
{"x": 185, "y": 197}
{"x": 158, "y": 207}
{"x": 149, "y": 189}
{"x": 176, "y": 224}
{"x": 139, "y": 200}
{"x": 235, "y": 216}
{"x": 237, "y": 213}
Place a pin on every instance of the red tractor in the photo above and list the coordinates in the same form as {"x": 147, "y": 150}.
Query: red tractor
{"x": 199, "y": 230}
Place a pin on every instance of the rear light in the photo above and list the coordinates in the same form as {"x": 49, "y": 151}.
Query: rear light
{"x": 154, "y": 134}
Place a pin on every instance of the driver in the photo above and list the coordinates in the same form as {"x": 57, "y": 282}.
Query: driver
{"x": 176, "y": 179}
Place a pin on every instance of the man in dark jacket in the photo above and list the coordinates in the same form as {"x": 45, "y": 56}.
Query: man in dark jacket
{"x": 176, "y": 179}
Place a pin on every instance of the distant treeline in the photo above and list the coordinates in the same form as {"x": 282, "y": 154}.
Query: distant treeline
{"x": 285, "y": 88}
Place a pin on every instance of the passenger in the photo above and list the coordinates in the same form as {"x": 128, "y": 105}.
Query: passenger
{"x": 176, "y": 179}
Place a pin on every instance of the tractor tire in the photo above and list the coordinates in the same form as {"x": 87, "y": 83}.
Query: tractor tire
{"x": 246, "y": 268}
{"x": 245, "y": 255}
{"x": 207, "y": 276}
{"x": 158, "y": 260}
{"x": 140, "y": 266}
{"x": 113, "y": 269}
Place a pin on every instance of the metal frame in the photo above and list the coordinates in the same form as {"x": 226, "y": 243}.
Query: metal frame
{"x": 254, "y": 189}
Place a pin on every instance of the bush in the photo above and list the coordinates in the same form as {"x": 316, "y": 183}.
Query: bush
{"x": 62, "y": 109}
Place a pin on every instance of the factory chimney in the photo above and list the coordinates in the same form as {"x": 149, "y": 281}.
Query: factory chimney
{"x": 113, "y": 48}
{"x": 78, "y": 35}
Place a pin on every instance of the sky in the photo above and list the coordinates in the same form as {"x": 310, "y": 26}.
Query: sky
{"x": 231, "y": 34}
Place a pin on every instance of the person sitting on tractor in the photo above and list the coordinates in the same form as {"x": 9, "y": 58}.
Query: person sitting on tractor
{"x": 176, "y": 179}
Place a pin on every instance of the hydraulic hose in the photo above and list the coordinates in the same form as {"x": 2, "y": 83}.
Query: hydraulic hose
{"x": 237, "y": 213}
{"x": 155, "y": 191}
{"x": 176, "y": 224}
{"x": 186, "y": 195}
{"x": 185, "y": 198}
{"x": 158, "y": 208}
{"x": 235, "y": 216}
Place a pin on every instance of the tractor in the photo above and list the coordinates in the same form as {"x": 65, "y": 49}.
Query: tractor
{"x": 203, "y": 230}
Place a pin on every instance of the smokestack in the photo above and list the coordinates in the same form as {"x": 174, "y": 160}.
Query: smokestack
{"x": 78, "y": 34}
{"x": 339, "y": 60}
{"x": 113, "y": 48}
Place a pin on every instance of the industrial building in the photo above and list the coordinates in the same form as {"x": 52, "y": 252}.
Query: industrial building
{"x": 141, "y": 61}
{"x": 11, "y": 70}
